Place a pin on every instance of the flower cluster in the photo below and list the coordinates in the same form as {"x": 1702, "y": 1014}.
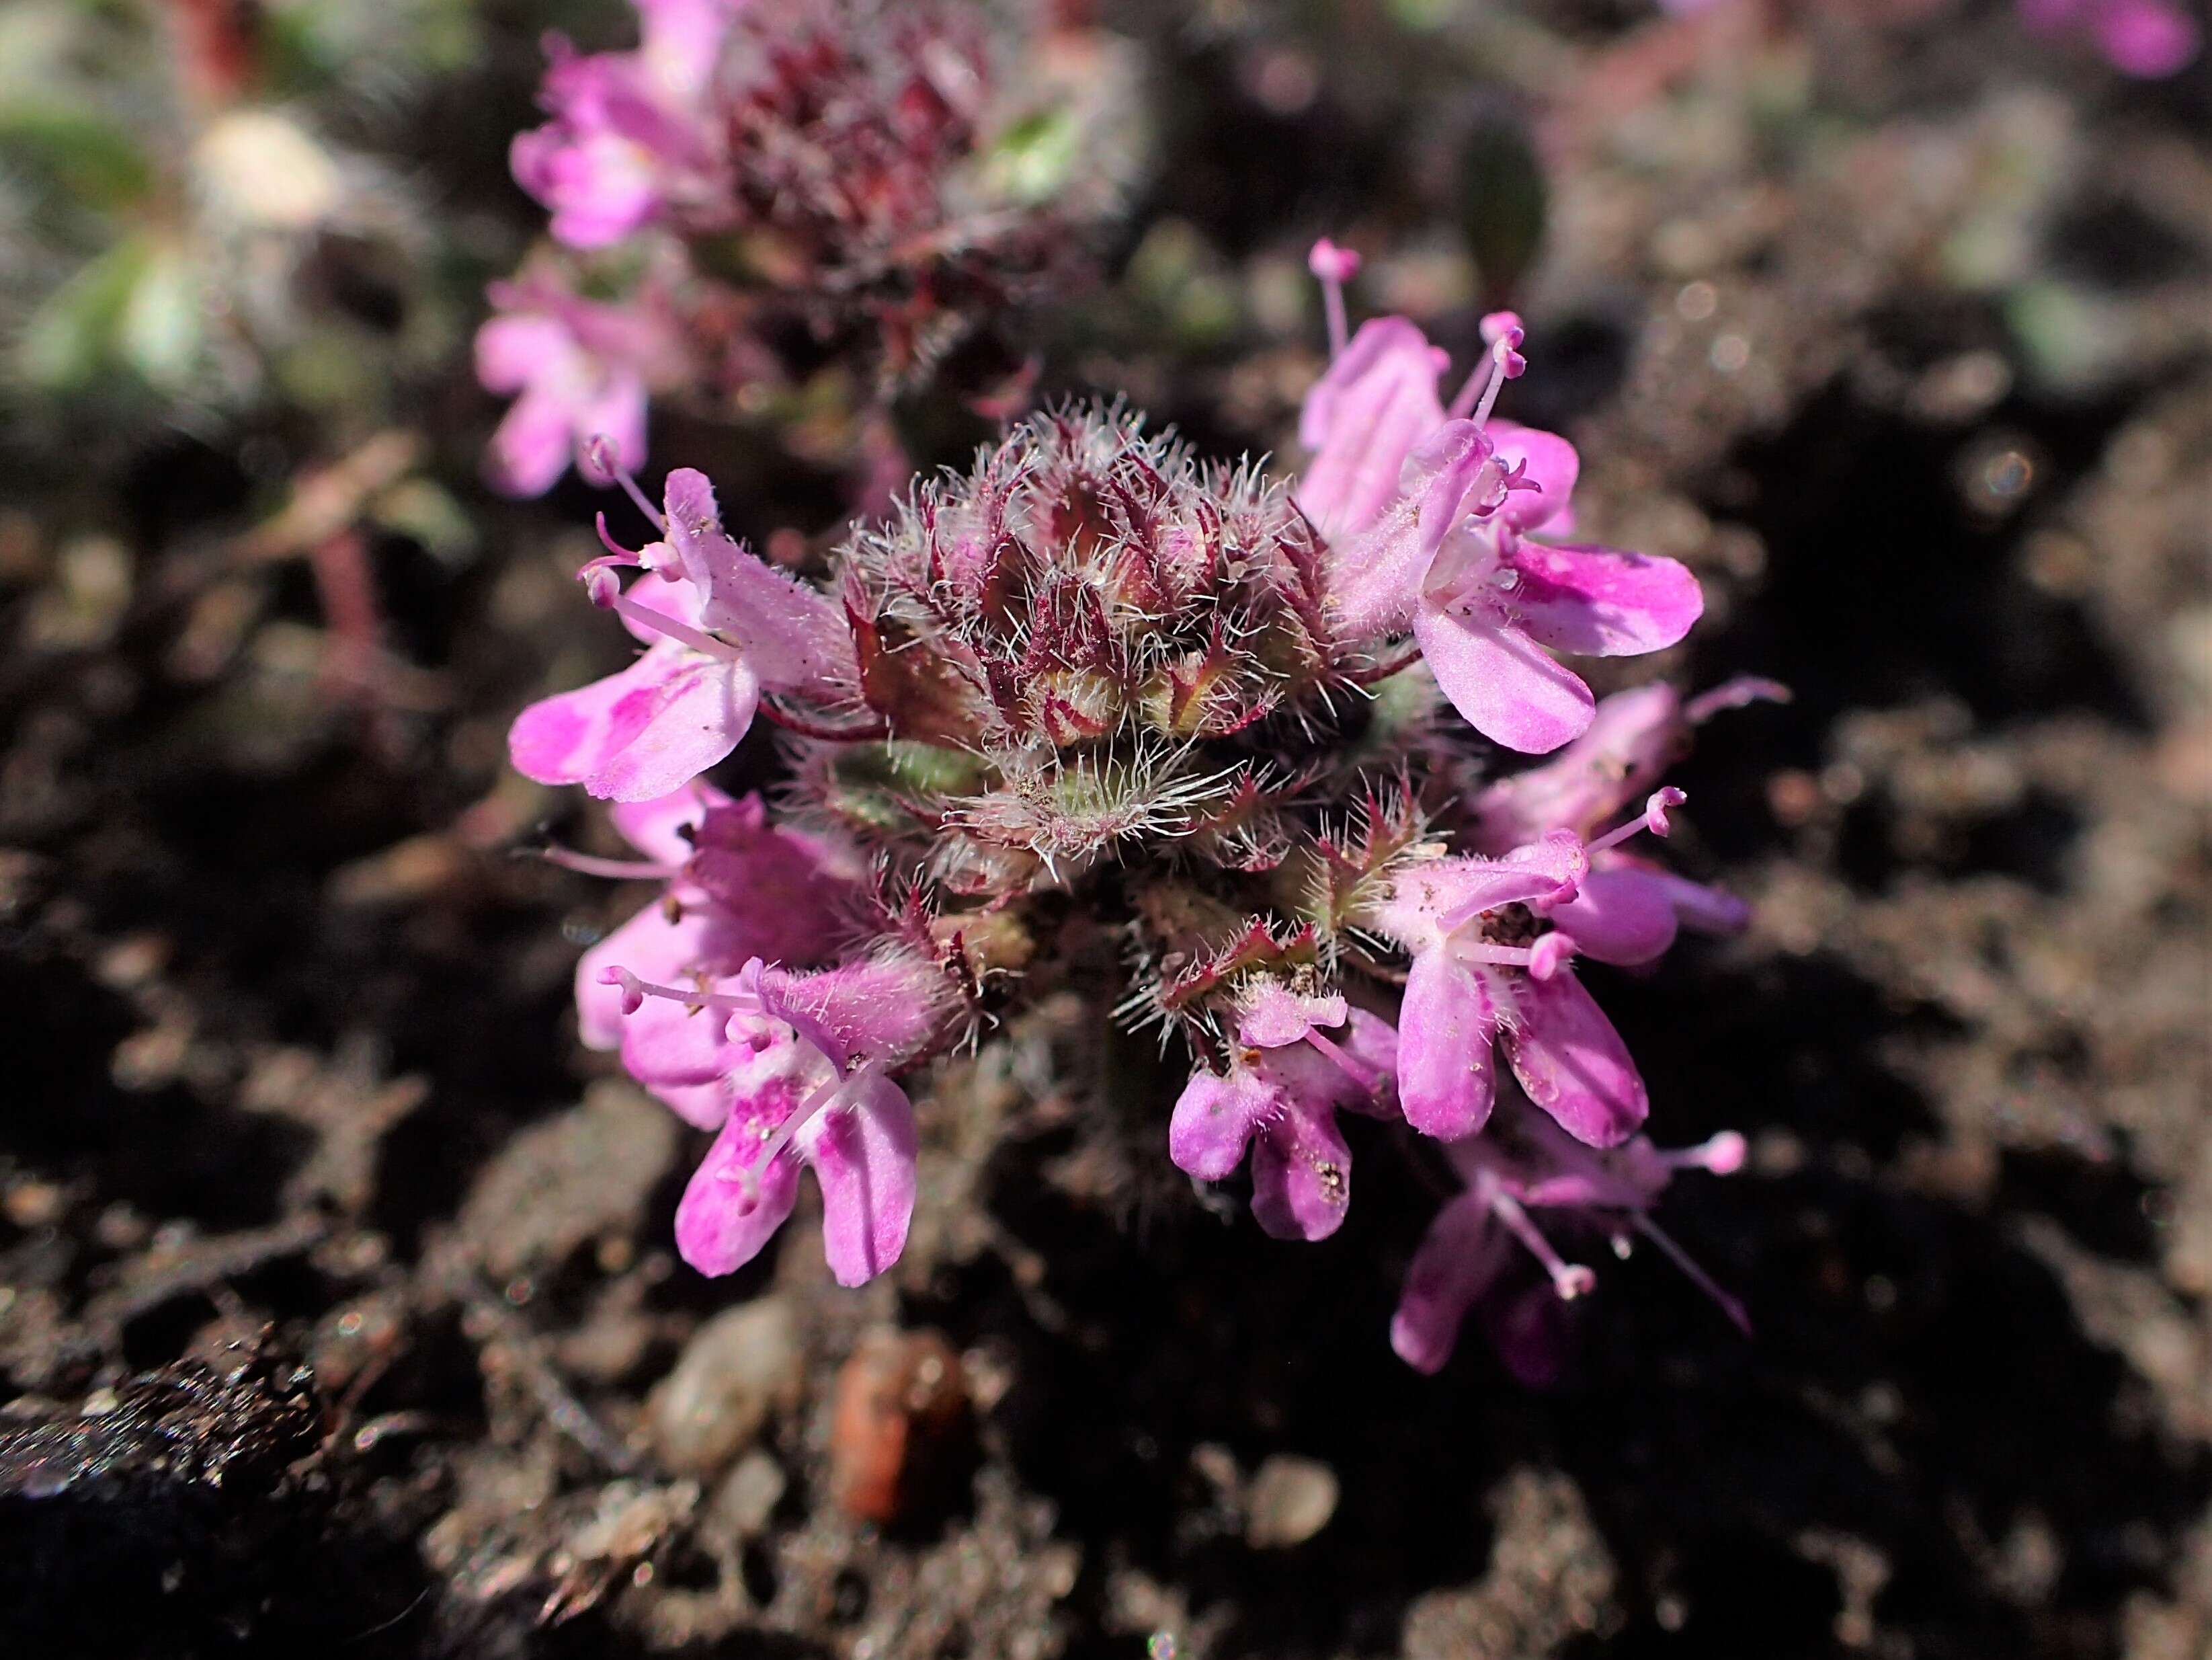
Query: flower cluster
{"x": 761, "y": 186}
{"x": 1099, "y": 714}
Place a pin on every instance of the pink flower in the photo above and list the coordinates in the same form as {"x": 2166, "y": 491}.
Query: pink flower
{"x": 1526, "y": 1164}
{"x": 630, "y": 131}
{"x": 1428, "y": 513}
{"x": 1627, "y": 910}
{"x": 804, "y": 1063}
{"x": 578, "y": 370}
{"x": 1485, "y": 974}
{"x": 2149, "y": 40}
{"x": 719, "y": 626}
{"x": 738, "y": 888}
{"x": 1280, "y": 1098}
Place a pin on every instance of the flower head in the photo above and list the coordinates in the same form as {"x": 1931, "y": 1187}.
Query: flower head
{"x": 577, "y": 369}
{"x": 2149, "y": 40}
{"x": 1525, "y": 1165}
{"x": 719, "y": 627}
{"x": 1430, "y": 514}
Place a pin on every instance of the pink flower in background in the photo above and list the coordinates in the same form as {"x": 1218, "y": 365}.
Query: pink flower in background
{"x": 631, "y": 129}
{"x": 1300, "y": 1060}
{"x": 1525, "y": 1164}
{"x": 577, "y": 369}
{"x": 1429, "y": 513}
{"x": 2148, "y": 38}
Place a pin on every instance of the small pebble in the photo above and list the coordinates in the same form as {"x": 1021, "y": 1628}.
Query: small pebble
{"x": 1290, "y": 1499}
{"x": 738, "y": 1369}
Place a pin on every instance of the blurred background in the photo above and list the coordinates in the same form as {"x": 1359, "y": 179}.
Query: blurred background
{"x": 1889, "y": 317}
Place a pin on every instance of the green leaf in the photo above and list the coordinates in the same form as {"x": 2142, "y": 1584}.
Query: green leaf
{"x": 87, "y": 159}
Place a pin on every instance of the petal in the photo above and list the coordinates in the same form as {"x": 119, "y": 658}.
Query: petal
{"x": 1275, "y": 1017}
{"x": 1528, "y": 1330}
{"x": 863, "y": 1155}
{"x": 1601, "y": 602}
{"x": 1547, "y": 461}
{"x": 616, "y": 412}
{"x": 531, "y": 447}
{"x": 1214, "y": 1119}
{"x": 721, "y": 1224}
{"x": 1703, "y": 909}
{"x": 1301, "y": 1176}
{"x": 1447, "y": 1077}
{"x": 1619, "y": 914}
{"x": 515, "y": 350}
{"x": 1632, "y": 737}
{"x": 1505, "y": 688}
{"x": 698, "y": 720}
{"x": 1573, "y": 1063}
{"x": 649, "y": 945}
{"x": 1373, "y": 579}
{"x": 1363, "y": 419}
{"x": 655, "y": 828}
{"x": 795, "y": 635}
{"x": 1457, "y": 1260}
{"x": 2149, "y": 40}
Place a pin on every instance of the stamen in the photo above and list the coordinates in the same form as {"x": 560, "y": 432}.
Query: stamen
{"x": 1366, "y": 1077}
{"x": 1503, "y": 361}
{"x": 1569, "y": 1280}
{"x": 1738, "y": 693}
{"x": 624, "y": 869}
{"x": 1723, "y": 1154}
{"x": 1484, "y": 951}
{"x": 1335, "y": 266}
{"x": 635, "y": 991}
{"x": 1696, "y": 1275}
{"x": 698, "y": 638}
{"x": 1653, "y": 818}
{"x": 603, "y": 466}
{"x": 1550, "y": 954}
{"x": 1478, "y": 378}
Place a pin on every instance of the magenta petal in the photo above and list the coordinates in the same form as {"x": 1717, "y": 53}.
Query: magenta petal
{"x": 1706, "y": 909}
{"x": 655, "y": 828}
{"x": 1506, "y": 689}
{"x": 1447, "y": 1077}
{"x": 720, "y": 1225}
{"x": 1618, "y": 915}
{"x": 1363, "y": 419}
{"x": 1573, "y": 1063}
{"x": 513, "y": 350}
{"x": 650, "y": 947}
{"x": 1528, "y": 1330}
{"x": 1599, "y": 602}
{"x": 566, "y": 738}
{"x": 531, "y": 446}
{"x": 1547, "y": 461}
{"x": 1275, "y": 1017}
{"x": 1632, "y": 738}
{"x": 1457, "y": 1260}
{"x": 2149, "y": 40}
{"x": 1213, "y": 1120}
{"x": 690, "y": 721}
{"x": 795, "y": 637}
{"x": 863, "y": 1155}
{"x": 1301, "y": 1175}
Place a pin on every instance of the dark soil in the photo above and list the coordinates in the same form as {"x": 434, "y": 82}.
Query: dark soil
{"x": 336, "y": 1282}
